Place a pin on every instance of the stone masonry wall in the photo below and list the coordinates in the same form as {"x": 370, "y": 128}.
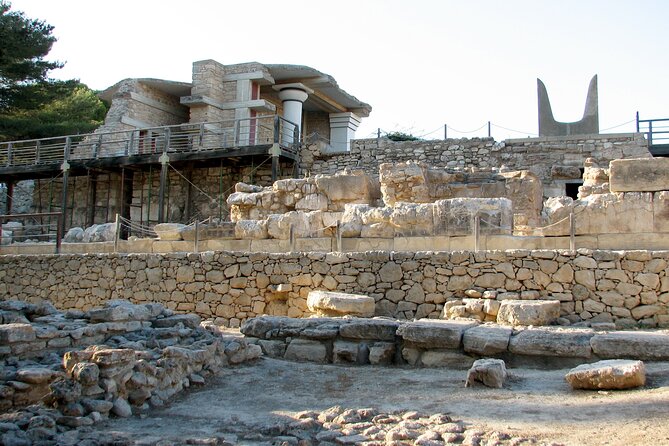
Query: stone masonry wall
{"x": 556, "y": 160}
{"x": 627, "y": 288}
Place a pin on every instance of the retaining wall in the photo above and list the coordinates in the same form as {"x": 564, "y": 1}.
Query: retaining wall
{"x": 628, "y": 288}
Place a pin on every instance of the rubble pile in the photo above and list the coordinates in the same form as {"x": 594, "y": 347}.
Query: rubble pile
{"x": 67, "y": 370}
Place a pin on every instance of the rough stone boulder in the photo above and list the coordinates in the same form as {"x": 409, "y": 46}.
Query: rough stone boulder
{"x": 331, "y": 303}
{"x": 169, "y": 231}
{"x": 489, "y": 372}
{"x": 100, "y": 233}
{"x": 524, "y": 312}
{"x": 610, "y": 374}
{"x": 74, "y": 235}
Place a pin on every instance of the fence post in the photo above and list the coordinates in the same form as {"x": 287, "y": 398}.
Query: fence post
{"x": 197, "y": 236}
{"x": 489, "y": 132}
{"x": 10, "y": 154}
{"x": 445, "y": 131}
{"x": 117, "y": 232}
{"x": 477, "y": 232}
{"x": 572, "y": 232}
{"x": 637, "y": 122}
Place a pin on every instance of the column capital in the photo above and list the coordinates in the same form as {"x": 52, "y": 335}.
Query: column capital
{"x": 293, "y": 92}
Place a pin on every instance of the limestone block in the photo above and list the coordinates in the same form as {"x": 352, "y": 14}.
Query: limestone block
{"x": 225, "y": 229}
{"x": 626, "y": 344}
{"x": 610, "y": 374}
{"x": 614, "y": 213}
{"x": 639, "y": 175}
{"x": 347, "y": 352}
{"x": 169, "y": 231}
{"x": 338, "y": 304}
{"x": 526, "y": 192}
{"x": 105, "y": 232}
{"x": 251, "y": 229}
{"x": 412, "y": 219}
{"x": 304, "y": 224}
{"x": 552, "y": 342}
{"x": 306, "y": 350}
{"x": 523, "y": 312}
{"x": 273, "y": 349}
{"x": 489, "y": 372}
{"x": 428, "y": 333}
{"x": 350, "y": 188}
{"x": 312, "y": 202}
{"x": 487, "y": 339}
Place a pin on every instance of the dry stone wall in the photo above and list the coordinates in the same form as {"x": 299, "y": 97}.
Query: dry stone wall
{"x": 624, "y": 288}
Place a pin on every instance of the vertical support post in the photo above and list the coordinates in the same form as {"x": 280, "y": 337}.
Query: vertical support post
{"x": 131, "y": 148}
{"x": 127, "y": 185}
{"x": 650, "y": 133}
{"x": 201, "y": 138}
{"x": 291, "y": 237}
{"x": 445, "y": 131}
{"x": 38, "y": 146}
{"x": 275, "y": 151}
{"x": 196, "y": 248}
{"x": 97, "y": 147}
{"x": 164, "y": 161}
{"x": 59, "y": 233}
{"x": 10, "y": 197}
{"x": 489, "y": 133}
{"x": 296, "y": 139}
{"x": 477, "y": 233}
{"x": 188, "y": 210}
{"x": 117, "y": 232}
{"x": 91, "y": 198}
{"x": 637, "y": 122}
{"x": 572, "y": 233}
{"x": 10, "y": 154}
{"x": 65, "y": 167}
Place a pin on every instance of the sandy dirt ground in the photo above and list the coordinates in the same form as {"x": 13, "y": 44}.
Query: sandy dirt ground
{"x": 534, "y": 403}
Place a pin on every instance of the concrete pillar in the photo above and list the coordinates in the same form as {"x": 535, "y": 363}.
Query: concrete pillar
{"x": 342, "y": 130}
{"x": 292, "y": 96}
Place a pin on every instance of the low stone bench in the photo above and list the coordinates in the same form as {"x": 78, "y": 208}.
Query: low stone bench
{"x": 335, "y": 304}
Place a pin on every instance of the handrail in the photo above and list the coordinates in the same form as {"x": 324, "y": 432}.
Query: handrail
{"x": 186, "y": 137}
{"x": 655, "y": 134}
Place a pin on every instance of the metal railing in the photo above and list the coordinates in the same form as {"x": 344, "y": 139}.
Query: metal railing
{"x": 33, "y": 228}
{"x": 207, "y": 136}
{"x": 656, "y": 130}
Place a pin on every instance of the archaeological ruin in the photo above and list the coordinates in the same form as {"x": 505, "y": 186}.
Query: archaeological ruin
{"x": 209, "y": 224}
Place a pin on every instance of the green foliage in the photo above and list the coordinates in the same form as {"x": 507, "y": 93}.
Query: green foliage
{"x": 31, "y": 104}
{"x": 401, "y": 136}
{"x": 24, "y": 43}
{"x": 57, "y": 108}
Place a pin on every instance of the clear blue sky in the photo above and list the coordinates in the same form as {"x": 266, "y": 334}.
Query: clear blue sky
{"x": 420, "y": 64}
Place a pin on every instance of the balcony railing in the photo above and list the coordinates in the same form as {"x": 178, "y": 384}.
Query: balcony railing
{"x": 208, "y": 136}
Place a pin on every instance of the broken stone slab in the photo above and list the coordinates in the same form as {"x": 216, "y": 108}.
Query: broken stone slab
{"x": 547, "y": 341}
{"x": 626, "y": 344}
{"x": 188, "y": 321}
{"x": 445, "y": 358}
{"x": 489, "y": 372}
{"x": 525, "y": 313}
{"x": 427, "y": 333}
{"x": 306, "y": 350}
{"x": 281, "y": 327}
{"x": 487, "y": 339}
{"x": 639, "y": 175}
{"x": 610, "y": 374}
{"x": 333, "y": 303}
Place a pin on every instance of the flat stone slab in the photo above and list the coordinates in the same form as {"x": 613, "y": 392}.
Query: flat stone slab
{"x": 429, "y": 333}
{"x": 333, "y": 303}
{"x": 631, "y": 344}
{"x": 608, "y": 375}
{"x": 487, "y": 339}
{"x": 639, "y": 175}
{"x": 528, "y": 312}
{"x": 552, "y": 342}
{"x": 376, "y": 329}
{"x": 306, "y": 350}
{"x": 169, "y": 231}
{"x": 280, "y": 327}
